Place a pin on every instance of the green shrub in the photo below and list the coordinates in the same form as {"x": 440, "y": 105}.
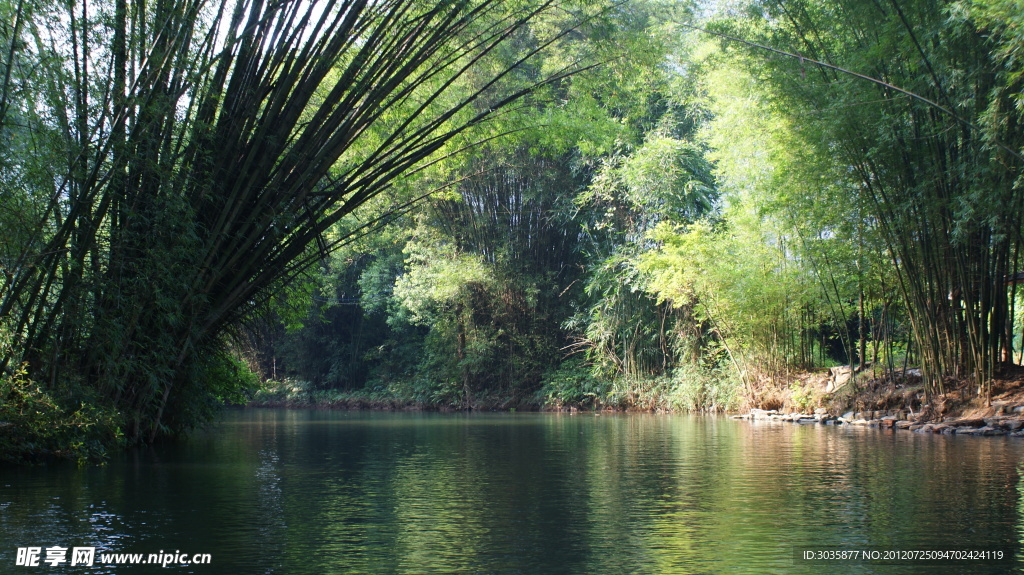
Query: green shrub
{"x": 230, "y": 380}
{"x": 34, "y": 427}
{"x": 801, "y": 397}
{"x": 701, "y": 388}
{"x": 287, "y": 390}
{"x": 572, "y": 384}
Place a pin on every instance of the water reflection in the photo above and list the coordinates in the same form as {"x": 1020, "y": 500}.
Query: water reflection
{"x": 274, "y": 491}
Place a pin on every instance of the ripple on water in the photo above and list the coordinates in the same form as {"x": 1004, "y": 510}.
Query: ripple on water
{"x": 279, "y": 491}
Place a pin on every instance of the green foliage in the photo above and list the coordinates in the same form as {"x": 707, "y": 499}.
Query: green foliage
{"x": 572, "y": 384}
{"x": 801, "y": 397}
{"x": 438, "y": 278}
{"x": 475, "y": 287}
{"x": 736, "y": 282}
{"x": 624, "y": 330}
{"x": 34, "y": 427}
{"x": 485, "y": 289}
{"x": 931, "y": 156}
{"x": 1003, "y": 20}
{"x": 171, "y": 173}
{"x": 690, "y": 387}
{"x": 695, "y": 387}
{"x": 665, "y": 179}
{"x": 286, "y": 390}
{"x": 230, "y": 380}
{"x": 696, "y": 217}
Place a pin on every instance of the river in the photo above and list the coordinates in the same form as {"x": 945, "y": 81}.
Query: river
{"x": 268, "y": 491}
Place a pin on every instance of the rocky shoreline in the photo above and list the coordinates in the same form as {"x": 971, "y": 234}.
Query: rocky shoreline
{"x": 1008, "y": 422}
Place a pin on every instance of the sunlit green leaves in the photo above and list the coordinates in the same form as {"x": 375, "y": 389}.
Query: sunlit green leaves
{"x": 915, "y": 168}
{"x": 436, "y": 278}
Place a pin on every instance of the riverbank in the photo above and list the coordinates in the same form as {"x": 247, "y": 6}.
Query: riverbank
{"x": 299, "y": 394}
{"x": 580, "y": 392}
{"x": 898, "y": 402}
{"x": 836, "y": 396}
{"x": 1012, "y": 425}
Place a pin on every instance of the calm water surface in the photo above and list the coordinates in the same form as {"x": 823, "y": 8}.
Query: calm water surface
{"x": 316, "y": 492}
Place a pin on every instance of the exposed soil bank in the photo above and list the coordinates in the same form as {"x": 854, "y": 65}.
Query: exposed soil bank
{"x": 899, "y": 402}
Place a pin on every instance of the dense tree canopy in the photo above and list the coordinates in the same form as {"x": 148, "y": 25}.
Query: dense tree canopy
{"x": 790, "y": 185}
{"x": 497, "y": 203}
{"x": 930, "y": 150}
{"x": 183, "y": 162}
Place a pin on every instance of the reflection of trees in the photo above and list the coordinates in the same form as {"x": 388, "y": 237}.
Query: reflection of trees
{"x": 337, "y": 492}
{"x": 851, "y": 487}
{"x": 649, "y": 493}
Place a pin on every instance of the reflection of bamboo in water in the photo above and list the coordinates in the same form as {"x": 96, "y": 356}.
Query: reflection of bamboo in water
{"x": 856, "y": 485}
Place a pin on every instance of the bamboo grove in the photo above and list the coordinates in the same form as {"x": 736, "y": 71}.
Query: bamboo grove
{"x": 192, "y": 155}
{"x": 795, "y": 185}
{"x": 934, "y": 159}
{"x": 497, "y": 203}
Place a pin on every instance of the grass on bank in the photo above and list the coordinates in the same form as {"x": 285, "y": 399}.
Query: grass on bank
{"x": 571, "y": 386}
